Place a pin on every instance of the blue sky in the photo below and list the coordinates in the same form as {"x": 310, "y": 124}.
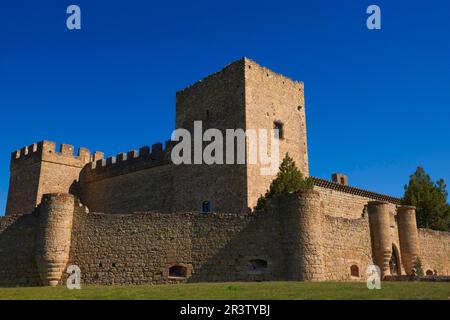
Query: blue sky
{"x": 377, "y": 101}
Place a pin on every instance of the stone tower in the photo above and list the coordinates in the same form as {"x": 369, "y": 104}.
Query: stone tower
{"x": 245, "y": 96}
{"x": 379, "y": 219}
{"x": 409, "y": 238}
{"x": 53, "y": 236}
{"x": 40, "y": 169}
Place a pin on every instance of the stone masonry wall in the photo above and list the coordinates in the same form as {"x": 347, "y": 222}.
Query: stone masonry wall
{"x": 143, "y": 190}
{"x": 435, "y": 251}
{"x": 39, "y": 169}
{"x": 218, "y": 101}
{"x": 346, "y": 242}
{"x": 271, "y": 97}
{"x": 343, "y": 204}
{"x": 140, "y": 248}
{"x": 17, "y": 243}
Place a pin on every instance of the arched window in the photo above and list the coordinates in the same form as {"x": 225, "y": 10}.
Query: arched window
{"x": 278, "y": 125}
{"x": 206, "y": 206}
{"x": 394, "y": 263}
{"x": 429, "y": 272}
{"x": 354, "y": 271}
{"x": 177, "y": 271}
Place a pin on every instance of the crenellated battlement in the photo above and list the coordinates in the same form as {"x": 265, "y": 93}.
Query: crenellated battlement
{"x": 46, "y": 151}
{"x": 131, "y": 161}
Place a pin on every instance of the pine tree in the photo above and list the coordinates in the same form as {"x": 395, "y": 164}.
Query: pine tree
{"x": 289, "y": 179}
{"x": 430, "y": 200}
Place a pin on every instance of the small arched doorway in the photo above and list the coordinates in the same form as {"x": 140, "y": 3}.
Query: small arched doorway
{"x": 354, "y": 271}
{"x": 177, "y": 271}
{"x": 394, "y": 263}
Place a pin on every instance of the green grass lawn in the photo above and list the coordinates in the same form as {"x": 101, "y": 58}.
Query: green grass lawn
{"x": 239, "y": 290}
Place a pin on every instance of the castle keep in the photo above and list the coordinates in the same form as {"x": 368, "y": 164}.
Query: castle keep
{"x": 137, "y": 218}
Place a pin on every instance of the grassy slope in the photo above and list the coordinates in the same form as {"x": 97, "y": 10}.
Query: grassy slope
{"x": 229, "y": 291}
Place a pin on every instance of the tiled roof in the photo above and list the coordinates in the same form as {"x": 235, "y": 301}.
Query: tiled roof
{"x": 355, "y": 191}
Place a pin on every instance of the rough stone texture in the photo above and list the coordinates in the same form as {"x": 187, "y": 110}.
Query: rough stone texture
{"x": 17, "y": 243}
{"x": 39, "y": 169}
{"x": 344, "y": 204}
{"x": 243, "y": 96}
{"x": 53, "y": 236}
{"x": 140, "y": 248}
{"x": 346, "y": 243}
{"x": 292, "y": 238}
{"x": 409, "y": 239}
{"x": 271, "y": 97}
{"x": 435, "y": 251}
{"x": 141, "y": 190}
{"x": 330, "y": 233}
{"x": 380, "y": 222}
{"x": 219, "y": 102}
{"x": 302, "y": 222}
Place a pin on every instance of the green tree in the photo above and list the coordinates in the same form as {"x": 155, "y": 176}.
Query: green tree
{"x": 430, "y": 200}
{"x": 417, "y": 266}
{"x": 288, "y": 179}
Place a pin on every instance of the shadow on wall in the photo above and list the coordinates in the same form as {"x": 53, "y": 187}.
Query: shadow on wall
{"x": 17, "y": 251}
{"x": 250, "y": 251}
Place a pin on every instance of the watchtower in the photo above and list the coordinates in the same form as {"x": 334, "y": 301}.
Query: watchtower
{"x": 39, "y": 169}
{"x": 244, "y": 96}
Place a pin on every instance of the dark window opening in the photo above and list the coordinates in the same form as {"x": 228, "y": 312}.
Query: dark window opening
{"x": 177, "y": 272}
{"x": 258, "y": 266}
{"x": 394, "y": 264}
{"x": 278, "y": 125}
{"x": 429, "y": 272}
{"x": 342, "y": 180}
{"x": 354, "y": 271}
{"x": 206, "y": 206}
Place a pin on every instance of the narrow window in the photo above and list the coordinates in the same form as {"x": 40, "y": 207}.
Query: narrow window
{"x": 206, "y": 206}
{"x": 278, "y": 125}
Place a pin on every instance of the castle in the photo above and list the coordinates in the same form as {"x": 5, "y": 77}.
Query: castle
{"x": 137, "y": 218}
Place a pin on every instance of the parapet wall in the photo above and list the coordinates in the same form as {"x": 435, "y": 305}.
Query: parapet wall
{"x": 39, "y": 169}
{"x": 125, "y": 163}
{"x": 46, "y": 151}
{"x": 130, "y": 182}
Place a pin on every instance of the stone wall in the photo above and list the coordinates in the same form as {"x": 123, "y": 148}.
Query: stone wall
{"x": 218, "y": 101}
{"x": 292, "y": 239}
{"x": 17, "y": 244}
{"x": 271, "y": 97}
{"x": 39, "y": 169}
{"x": 140, "y": 248}
{"x": 348, "y": 202}
{"x": 435, "y": 251}
{"x": 142, "y": 190}
{"x": 346, "y": 242}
